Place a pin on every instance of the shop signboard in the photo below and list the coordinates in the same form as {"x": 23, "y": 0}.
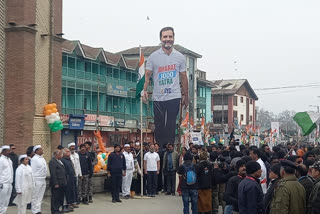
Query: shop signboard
{"x": 106, "y": 120}
{"x": 117, "y": 90}
{"x": 131, "y": 124}
{"x": 119, "y": 122}
{"x": 90, "y": 120}
{"x": 76, "y": 121}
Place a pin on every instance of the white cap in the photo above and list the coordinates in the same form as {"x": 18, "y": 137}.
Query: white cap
{"x": 22, "y": 156}
{"x": 137, "y": 143}
{"x": 36, "y": 147}
{"x": 5, "y": 147}
{"x": 126, "y": 145}
{"x": 71, "y": 144}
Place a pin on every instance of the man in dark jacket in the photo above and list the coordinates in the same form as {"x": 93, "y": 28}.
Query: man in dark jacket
{"x": 15, "y": 162}
{"x": 170, "y": 166}
{"x": 189, "y": 192}
{"x": 93, "y": 157}
{"x": 231, "y": 193}
{"x": 250, "y": 192}
{"x": 58, "y": 182}
{"x": 305, "y": 180}
{"x": 116, "y": 169}
{"x": 71, "y": 180}
{"x": 87, "y": 171}
{"x": 314, "y": 200}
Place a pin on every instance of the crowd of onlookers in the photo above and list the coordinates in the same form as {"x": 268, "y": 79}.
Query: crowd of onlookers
{"x": 239, "y": 178}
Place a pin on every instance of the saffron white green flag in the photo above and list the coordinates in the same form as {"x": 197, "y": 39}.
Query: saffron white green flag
{"x": 141, "y": 80}
{"x": 307, "y": 121}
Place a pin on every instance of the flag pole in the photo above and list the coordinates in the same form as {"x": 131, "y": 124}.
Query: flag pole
{"x": 141, "y": 136}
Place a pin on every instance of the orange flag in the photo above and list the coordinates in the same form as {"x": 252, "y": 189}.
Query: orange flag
{"x": 185, "y": 121}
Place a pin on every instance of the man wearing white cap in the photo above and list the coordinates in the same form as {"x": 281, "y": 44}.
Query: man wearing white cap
{"x": 127, "y": 179}
{"x": 77, "y": 168}
{"x": 39, "y": 173}
{"x": 23, "y": 184}
{"x": 6, "y": 178}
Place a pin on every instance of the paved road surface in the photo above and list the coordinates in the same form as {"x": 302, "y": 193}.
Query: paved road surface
{"x": 161, "y": 204}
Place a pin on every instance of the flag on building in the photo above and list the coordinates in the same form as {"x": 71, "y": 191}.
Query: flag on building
{"x": 307, "y": 121}
{"x": 141, "y": 80}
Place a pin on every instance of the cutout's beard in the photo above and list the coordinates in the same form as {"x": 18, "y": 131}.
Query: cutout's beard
{"x": 167, "y": 45}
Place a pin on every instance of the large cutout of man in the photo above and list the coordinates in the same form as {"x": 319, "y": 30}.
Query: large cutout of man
{"x": 168, "y": 68}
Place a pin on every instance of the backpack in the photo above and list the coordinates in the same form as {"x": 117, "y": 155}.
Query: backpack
{"x": 190, "y": 176}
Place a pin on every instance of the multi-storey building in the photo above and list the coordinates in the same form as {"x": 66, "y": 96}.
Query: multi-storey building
{"x": 203, "y": 97}
{"x": 233, "y": 104}
{"x": 91, "y": 76}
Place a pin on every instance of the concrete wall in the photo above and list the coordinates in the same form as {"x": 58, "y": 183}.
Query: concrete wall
{"x": 241, "y": 108}
{"x": 2, "y": 72}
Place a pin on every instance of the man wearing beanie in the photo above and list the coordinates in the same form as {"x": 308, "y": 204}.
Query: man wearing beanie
{"x": 250, "y": 192}
{"x": 290, "y": 196}
{"x": 231, "y": 194}
{"x": 189, "y": 191}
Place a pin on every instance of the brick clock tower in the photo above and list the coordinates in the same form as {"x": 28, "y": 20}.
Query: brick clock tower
{"x": 32, "y": 72}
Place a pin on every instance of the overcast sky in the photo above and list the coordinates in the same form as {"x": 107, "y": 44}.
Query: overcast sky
{"x": 272, "y": 43}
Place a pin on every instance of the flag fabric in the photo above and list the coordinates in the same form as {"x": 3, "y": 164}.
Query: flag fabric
{"x": 202, "y": 125}
{"x": 185, "y": 121}
{"x": 140, "y": 84}
{"x": 307, "y": 121}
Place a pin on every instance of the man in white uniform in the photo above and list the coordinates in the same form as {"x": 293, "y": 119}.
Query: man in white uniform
{"x": 77, "y": 168}
{"x": 127, "y": 179}
{"x": 6, "y": 179}
{"x": 39, "y": 173}
{"x": 255, "y": 154}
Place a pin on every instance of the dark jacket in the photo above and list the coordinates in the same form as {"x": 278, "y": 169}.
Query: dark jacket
{"x": 175, "y": 161}
{"x": 68, "y": 167}
{"x": 268, "y": 196}
{"x": 116, "y": 163}
{"x": 231, "y": 193}
{"x": 308, "y": 184}
{"x": 204, "y": 171}
{"x": 70, "y": 191}
{"x": 15, "y": 161}
{"x": 250, "y": 196}
{"x": 57, "y": 173}
{"x": 182, "y": 171}
{"x": 314, "y": 200}
{"x": 86, "y": 164}
{"x": 289, "y": 197}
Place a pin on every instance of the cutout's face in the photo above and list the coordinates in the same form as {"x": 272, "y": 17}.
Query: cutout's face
{"x": 167, "y": 39}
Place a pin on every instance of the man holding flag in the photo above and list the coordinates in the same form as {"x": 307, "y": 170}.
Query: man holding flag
{"x": 168, "y": 68}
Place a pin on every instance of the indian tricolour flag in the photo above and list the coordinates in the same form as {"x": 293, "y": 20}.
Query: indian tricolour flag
{"x": 307, "y": 121}
{"x": 140, "y": 84}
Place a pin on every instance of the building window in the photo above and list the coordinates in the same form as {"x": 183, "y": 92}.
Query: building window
{"x": 241, "y": 99}
{"x": 241, "y": 117}
{"x": 235, "y": 100}
{"x": 250, "y": 118}
{"x": 251, "y": 101}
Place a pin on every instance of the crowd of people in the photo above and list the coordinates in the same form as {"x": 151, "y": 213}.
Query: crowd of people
{"x": 23, "y": 178}
{"x": 240, "y": 178}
